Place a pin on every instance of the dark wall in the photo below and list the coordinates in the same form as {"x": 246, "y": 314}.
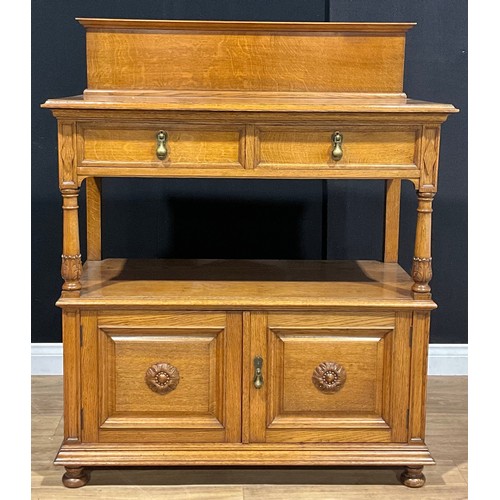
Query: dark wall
{"x": 255, "y": 219}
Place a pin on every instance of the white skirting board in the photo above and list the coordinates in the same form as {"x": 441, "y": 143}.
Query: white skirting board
{"x": 444, "y": 359}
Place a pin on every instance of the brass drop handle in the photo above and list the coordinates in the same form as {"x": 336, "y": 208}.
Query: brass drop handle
{"x": 161, "y": 148}
{"x": 258, "y": 380}
{"x": 337, "y": 152}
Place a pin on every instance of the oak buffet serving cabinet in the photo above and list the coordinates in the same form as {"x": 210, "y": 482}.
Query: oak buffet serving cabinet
{"x": 198, "y": 362}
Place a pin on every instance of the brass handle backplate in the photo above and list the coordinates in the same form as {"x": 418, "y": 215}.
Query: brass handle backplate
{"x": 258, "y": 380}
{"x": 337, "y": 152}
{"x": 161, "y": 145}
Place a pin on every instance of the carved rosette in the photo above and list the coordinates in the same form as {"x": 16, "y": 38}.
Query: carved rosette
{"x": 421, "y": 273}
{"x": 71, "y": 271}
{"x": 162, "y": 378}
{"x": 329, "y": 377}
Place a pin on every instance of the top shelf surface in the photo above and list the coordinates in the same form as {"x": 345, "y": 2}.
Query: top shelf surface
{"x": 248, "y": 102}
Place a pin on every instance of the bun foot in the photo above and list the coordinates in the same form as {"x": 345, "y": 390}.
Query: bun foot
{"x": 75, "y": 477}
{"x": 413, "y": 477}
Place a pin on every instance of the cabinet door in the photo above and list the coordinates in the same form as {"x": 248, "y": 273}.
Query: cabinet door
{"x": 339, "y": 377}
{"x": 161, "y": 377}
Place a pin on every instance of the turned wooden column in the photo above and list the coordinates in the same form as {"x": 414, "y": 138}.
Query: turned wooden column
{"x": 422, "y": 260}
{"x": 71, "y": 267}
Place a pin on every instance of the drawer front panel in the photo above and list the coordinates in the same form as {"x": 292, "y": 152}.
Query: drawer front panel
{"x": 311, "y": 147}
{"x": 187, "y": 146}
{"x": 331, "y": 379}
{"x": 164, "y": 377}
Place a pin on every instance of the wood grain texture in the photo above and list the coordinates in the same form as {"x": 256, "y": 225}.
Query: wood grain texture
{"x": 134, "y": 145}
{"x": 90, "y": 380}
{"x": 240, "y": 284}
{"x": 122, "y": 349}
{"x": 247, "y": 375}
{"x": 429, "y": 147}
{"x": 310, "y": 105}
{"x": 311, "y": 147}
{"x": 258, "y": 398}
{"x": 422, "y": 260}
{"x": 71, "y": 367}
{"x": 298, "y": 411}
{"x": 67, "y": 154}
{"x": 400, "y": 368}
{"x": 264, "y": 60}
{"x": 71, "y": 259}
{"x": 245, "y": 100}
{"x": 259, "y": 454}
{"x": 238, "y": 172}
{"x": 94, "y": 217}
{"x": 174, "y": 319}
{"x": 341, "y": 319}
{"x": 446, "y": 436}
{"x": 230, "y": 391}
{"x": 418, "y": 387}
{"x": 189, "y": 350}
{"x": 391, "y": 227}
{"x": 170, "y": 25}
{"x": 355, "y": 350}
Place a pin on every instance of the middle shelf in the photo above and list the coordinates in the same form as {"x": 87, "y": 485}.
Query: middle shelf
{"x": 243, "y": 284}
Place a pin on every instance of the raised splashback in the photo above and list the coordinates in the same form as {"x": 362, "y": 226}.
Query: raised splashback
{"x": 130, "y": 58}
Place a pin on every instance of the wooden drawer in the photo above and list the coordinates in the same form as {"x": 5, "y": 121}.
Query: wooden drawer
{"x": 134, "y": 145}
{"x": 161, "y": 377}
{"x": 330, "y": 377}
{"x": 310, "y": 147}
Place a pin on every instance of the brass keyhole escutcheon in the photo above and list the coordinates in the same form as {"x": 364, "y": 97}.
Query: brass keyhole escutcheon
{"x": 337, "y": 152}
{"x": 161, "y": 145}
